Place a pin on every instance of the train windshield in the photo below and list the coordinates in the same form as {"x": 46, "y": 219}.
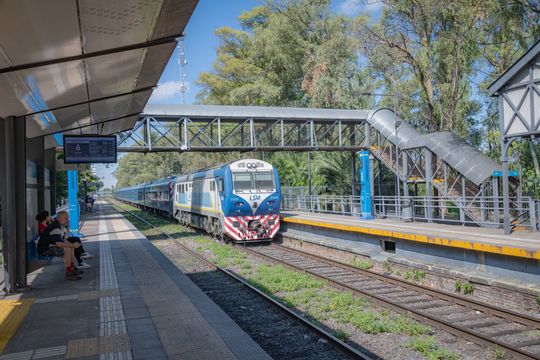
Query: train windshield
{"x": 263, "y": 180}
{"x": 242, "y": 181}
{"x": 253, "y": 181}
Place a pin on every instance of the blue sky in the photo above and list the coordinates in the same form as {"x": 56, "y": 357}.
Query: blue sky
{"x": 201, "y": 43}
{"x": 200, "y": 49}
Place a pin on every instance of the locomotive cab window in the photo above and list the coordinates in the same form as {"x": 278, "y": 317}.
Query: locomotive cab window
{"x": 264, "y": 180}
{"x": 242, "y": 181}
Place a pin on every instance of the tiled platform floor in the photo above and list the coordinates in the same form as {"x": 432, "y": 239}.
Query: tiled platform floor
{"x": 132, "y": 304}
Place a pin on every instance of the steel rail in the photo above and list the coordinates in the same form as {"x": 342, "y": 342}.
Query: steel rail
{"x": 462, "y": 332}
{"x": 317, "y": 329}
{"x": 523, "y": 319}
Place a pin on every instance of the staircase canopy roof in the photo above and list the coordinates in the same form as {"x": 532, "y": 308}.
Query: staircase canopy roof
{"x": 465, "y": 158}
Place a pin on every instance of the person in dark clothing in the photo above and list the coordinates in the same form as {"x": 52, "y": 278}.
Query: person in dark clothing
{"x": 56, "y": 234}
{"x": 79, "y": 253}
{"x": 43, "y": 219}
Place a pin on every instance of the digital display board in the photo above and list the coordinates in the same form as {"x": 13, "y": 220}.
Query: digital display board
{"x": 80, "y": 149}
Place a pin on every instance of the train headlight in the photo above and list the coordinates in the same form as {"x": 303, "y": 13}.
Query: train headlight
{"x": 270, "y": 202}
{"x": 235, "y": 224}
{"x": 238, "y": 204}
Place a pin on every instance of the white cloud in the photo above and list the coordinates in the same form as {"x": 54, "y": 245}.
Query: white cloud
{"x": 167, "y": 91}
{"x": 353, "y": 7}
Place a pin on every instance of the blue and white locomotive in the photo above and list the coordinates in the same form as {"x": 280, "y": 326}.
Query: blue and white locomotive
{"x": 240, "y": 200}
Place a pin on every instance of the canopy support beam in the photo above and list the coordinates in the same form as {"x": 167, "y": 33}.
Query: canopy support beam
{"x": 137, "y": 46}
{"x": 148, "y": 88}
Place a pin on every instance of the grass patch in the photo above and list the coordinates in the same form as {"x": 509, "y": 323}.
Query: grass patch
{"x": 388, "y": 267}
{"x": 468, "y": 288}
{"x": 415, "y": 275}
{"x": 274, "y": 279}
{"x": 361, "y": 264}
{"x": 500, "y": 354}
{"x": 341, "y": 335}
{"x": 427, "y": 346}
{"x": 348, "y": 309}
{"x": 162, "y": 224}
{"x": 226, "y": 256}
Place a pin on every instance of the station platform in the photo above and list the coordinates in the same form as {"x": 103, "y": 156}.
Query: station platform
{"x": 133, "y": 303}
{"x": 488, "y": 250}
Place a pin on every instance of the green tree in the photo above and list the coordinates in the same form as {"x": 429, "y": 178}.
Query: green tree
{"x": 437, "y": 56}
{"x": 291, "y": 53}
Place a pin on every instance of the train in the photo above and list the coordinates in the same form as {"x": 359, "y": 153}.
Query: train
{"x": 238, "y": 201}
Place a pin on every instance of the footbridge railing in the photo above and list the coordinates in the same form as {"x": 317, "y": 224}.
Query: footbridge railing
{"x": 525, "y": 211}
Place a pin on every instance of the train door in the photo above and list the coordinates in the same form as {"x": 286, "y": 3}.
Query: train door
{"x": 215, "y": 197}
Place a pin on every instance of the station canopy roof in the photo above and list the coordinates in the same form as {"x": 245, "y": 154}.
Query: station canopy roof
{"x": 84, "y": 66}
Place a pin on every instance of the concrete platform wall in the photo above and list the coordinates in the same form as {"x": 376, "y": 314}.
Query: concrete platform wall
{"x": 493, "y": 266}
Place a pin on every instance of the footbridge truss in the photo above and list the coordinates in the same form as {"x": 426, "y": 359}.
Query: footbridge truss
{"x": 450, "y": 169}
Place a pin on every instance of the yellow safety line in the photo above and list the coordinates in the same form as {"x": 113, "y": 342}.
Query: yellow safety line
{"x": 462, "y": 244}
{"x": 12, "y": 313}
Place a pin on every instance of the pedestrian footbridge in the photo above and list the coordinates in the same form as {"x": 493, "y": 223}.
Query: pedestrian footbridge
{"x": 441, "y": 176}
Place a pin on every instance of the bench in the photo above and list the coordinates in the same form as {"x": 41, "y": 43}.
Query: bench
{"x": 34, "y": 260}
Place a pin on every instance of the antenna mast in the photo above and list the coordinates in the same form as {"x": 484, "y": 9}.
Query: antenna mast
{"x": 182, "y": 62}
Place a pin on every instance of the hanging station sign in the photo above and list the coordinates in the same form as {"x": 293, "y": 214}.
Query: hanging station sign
{"x": 89, "y": 149}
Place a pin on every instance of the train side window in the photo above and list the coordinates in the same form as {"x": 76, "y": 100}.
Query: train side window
{"x": 220, "y": 185}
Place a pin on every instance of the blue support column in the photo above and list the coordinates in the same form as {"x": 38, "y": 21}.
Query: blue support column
{"x": 73, "y": 202}
{"x": 365, "y": 185}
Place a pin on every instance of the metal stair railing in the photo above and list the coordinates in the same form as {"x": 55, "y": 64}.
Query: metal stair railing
{"x": 386, "y": 155}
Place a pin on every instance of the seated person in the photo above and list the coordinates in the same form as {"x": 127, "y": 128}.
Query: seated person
{"x": 57, "y": 234}
{"x": 43, "y": 220}
{"x": 79, "y": 253}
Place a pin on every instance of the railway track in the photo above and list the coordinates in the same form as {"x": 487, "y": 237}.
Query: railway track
{"x": 337, "y": 343}
{"x": 518, "y": 335}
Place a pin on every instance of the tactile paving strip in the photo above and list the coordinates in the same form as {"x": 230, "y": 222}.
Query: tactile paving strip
{"x": 113, "y": 341}
{"x": 195, "y": 338}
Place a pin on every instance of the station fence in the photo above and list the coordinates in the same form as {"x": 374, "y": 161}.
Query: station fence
{"x": 472, "y": 211}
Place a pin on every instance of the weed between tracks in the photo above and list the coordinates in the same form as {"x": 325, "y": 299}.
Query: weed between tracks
{"x": 361, "y": 264}
{"x": 303, "y": 292}
{"x": 426, "y": 346}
